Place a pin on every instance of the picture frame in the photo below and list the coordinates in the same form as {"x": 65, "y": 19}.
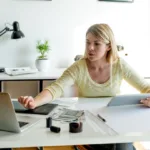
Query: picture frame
{"x": 128, "y": 1}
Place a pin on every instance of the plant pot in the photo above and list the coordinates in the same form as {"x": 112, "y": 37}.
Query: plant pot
{"x": 42, "y": 65}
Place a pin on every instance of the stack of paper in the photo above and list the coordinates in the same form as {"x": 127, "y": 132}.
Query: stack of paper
{"x": 19, "y": 71}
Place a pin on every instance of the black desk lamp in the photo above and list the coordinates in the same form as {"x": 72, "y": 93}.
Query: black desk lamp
{"x": 17, "y": 34}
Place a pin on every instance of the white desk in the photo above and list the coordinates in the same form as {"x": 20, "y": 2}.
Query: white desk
{"x": 39, "y": 76}
{"x": 39, "y": 135}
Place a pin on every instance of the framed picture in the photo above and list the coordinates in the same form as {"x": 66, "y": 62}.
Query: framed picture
{"x": 130, "y": 1}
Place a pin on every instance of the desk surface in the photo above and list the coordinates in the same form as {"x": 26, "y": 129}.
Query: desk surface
{"x": 39, "y": 135}
{"x": 53, "y": 74}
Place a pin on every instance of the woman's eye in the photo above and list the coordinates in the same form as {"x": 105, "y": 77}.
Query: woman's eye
{"x": 87, "y": 43}
{"x": 97, "y": 44}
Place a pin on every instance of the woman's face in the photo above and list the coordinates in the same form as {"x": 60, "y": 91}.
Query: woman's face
{"x": 96, "y": 49}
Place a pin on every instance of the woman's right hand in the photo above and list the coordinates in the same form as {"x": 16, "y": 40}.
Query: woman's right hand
{"x": 27, "y": 102}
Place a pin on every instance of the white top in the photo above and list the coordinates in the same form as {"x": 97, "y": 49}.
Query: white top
{"x": 53, "y": 74}
{"x": 39, "y": 135}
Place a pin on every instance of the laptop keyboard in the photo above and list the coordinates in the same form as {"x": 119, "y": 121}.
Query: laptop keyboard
{"x": 21, "y": 124}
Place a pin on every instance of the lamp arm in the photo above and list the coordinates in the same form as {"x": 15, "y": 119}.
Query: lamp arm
{"x": 5, "y": 30}
{"x": 3, "y": 33}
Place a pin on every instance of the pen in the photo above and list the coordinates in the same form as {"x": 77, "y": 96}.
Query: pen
{"x": 101, "y": 118}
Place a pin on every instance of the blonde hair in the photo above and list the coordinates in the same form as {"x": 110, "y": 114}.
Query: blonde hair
{"x": 105, "y": 33}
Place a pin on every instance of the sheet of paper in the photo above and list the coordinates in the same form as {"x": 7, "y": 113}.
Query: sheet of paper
{"x": 127, "y": 119}
{"x": 98, "y": 125}
{"x": 68, "y": 102}
{"x": 92, "y": 103}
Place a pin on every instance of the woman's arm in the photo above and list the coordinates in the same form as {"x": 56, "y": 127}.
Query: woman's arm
{"x": 42, "y": 98}
{"x": 54, "y": 90}
{"x": 133, "y": 78}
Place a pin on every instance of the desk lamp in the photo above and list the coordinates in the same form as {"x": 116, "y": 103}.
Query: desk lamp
{"x": 16, "y": 34}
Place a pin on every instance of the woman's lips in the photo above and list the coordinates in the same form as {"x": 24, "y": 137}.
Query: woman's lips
{"x": 91, "y": 54}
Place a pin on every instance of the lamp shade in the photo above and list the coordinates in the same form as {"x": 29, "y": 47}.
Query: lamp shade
{"x": 17, "y": 34}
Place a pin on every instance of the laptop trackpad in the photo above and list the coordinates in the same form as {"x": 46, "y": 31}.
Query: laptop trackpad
{"x": 21, "y": 124}
{"x": 26, "y": 120}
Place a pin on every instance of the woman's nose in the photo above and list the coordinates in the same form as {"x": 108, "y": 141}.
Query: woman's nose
{"x": 91, "y": 47}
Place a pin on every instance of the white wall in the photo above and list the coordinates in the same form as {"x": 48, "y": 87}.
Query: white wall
{"x": 64, "y": 23}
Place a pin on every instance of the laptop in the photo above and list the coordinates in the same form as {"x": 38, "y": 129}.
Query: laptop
{"x": 130, "y": 99}
{"x": 8, "y": 119}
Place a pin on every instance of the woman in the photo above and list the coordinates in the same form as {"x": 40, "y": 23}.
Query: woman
{"x": 98, "y": 74}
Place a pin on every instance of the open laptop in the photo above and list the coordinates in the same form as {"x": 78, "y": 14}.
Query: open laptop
{"x": 130, "y": 99}
{"x": 8, "y": 119}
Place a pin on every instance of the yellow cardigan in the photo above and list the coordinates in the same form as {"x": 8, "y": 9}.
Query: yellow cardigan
{"x": 78, "y": 74}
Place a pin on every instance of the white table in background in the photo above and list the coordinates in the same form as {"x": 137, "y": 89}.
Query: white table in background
{"x": 39, "y": 76}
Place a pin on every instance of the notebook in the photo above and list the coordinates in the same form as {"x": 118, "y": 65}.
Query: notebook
{"x": 42, "y": 110}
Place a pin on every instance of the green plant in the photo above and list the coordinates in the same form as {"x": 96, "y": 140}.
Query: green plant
{"x": 43, "y": 49}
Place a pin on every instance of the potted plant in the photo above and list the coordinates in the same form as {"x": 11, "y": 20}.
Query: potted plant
{"x": 42, "y": 62}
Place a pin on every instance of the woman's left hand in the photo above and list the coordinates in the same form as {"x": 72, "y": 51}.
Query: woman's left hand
{"x": 146, "y": 101}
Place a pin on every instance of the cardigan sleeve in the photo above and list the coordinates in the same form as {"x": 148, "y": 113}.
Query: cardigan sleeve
{"x": 133, "y": 78}
{"x": 68, "y": 78}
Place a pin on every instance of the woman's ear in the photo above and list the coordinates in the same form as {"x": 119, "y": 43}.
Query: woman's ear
{"x": 108, "y": 47}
